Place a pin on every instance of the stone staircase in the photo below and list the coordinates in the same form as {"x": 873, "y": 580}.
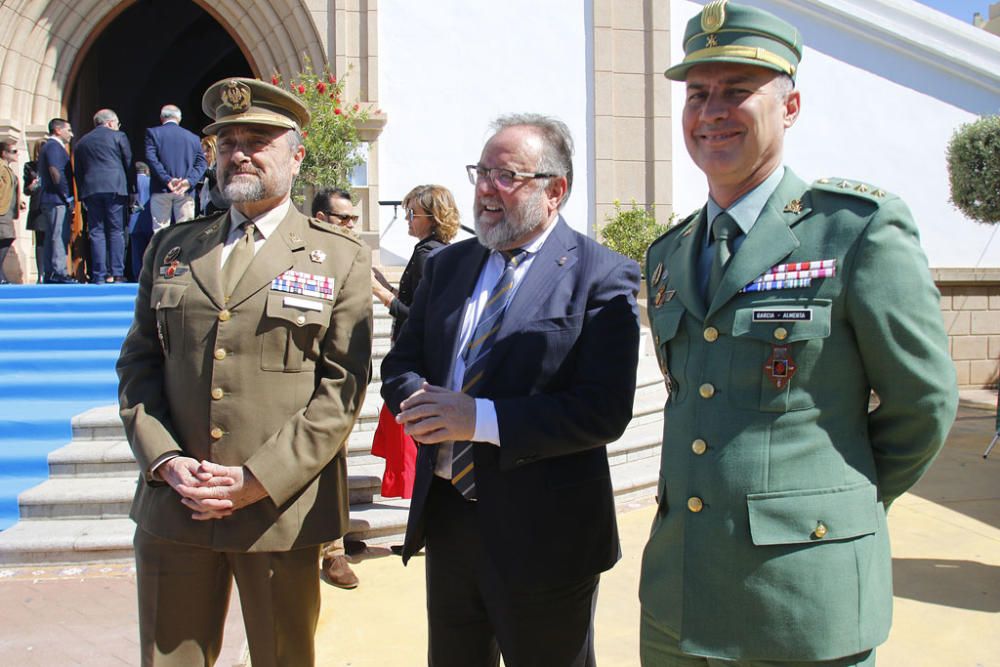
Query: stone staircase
{"x": 80, "y": 512}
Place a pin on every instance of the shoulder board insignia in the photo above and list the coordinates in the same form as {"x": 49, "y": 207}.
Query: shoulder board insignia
{"x": 847, "y": 187}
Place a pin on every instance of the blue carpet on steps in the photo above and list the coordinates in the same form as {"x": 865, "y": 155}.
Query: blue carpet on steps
{"x": 58, "y": 347}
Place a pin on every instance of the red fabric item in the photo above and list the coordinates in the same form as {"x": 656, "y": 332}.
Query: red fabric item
{"x": 400, "y": 454}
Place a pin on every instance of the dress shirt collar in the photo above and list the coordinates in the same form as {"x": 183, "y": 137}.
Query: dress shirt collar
{"x": 747, "y": 208}
{"x": 265, "y": 223}
{"x": 532, "y": 247}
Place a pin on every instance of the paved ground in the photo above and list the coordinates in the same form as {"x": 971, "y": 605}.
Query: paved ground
{"x": 946, "y": 547}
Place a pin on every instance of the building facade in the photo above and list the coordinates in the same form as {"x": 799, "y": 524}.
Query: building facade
{"x": 885, "y": 83}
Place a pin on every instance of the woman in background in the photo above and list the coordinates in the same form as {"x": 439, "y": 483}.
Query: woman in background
{"x": 36, "y": 221}
{"x": 433, "y": 219}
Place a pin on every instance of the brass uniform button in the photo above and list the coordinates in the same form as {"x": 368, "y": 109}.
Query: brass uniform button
{"x": 301, "y": 319}
{"x": 711, "y": 334}
{"x": 699, "y": 446}
{"x": 821, "y": 530}
{"x": 695, "y": 504}
{"x": 216, "y": 433}
{"x": 781, "y": 333}
{"x": 217, "y": 393}
{"x": 220, "y": 353}
{"x": 224, "y": 316}
{"x": 706, "y": 390}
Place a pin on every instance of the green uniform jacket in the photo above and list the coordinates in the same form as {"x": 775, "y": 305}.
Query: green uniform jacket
{"x": 770, "y": 542}
{"x": 271, "y": 380}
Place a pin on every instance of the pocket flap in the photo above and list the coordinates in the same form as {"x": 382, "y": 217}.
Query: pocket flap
{"x": 801, "y": 320}
{"x": 667, "y": 320}
{"x": 801, "y": 517}
{"x": 166, "y": 295}
{"x": 291, "y": 310}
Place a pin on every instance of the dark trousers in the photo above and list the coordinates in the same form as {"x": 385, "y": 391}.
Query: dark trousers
{"x": 184, "y": 595}
{"x": 5, "y": 245}
{"x": 474, "y": 615}
{"x": 106, "y": 224}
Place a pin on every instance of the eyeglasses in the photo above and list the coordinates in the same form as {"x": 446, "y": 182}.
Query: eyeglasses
{"x": 343, "y": 217}
{"x": 501, "y": 179}
{"x": 411, "y": 214}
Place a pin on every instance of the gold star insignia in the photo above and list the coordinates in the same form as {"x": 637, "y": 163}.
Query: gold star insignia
{"x": 878, "y": 193}
{"x": 794, "y": 206}
{"x": 824, "y": 181}
{"x": 862, "y": 188}
{"x": 843, "y": 185}
{"x": 711, "y": 41}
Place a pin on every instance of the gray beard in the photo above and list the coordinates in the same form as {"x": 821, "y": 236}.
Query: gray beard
{"x": 244, "y": 190}
{"x": 516, "y": 224}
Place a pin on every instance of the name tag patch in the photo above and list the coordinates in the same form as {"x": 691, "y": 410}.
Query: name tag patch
{"x": 302, "y": 304}
{"x": 791, "y": 315}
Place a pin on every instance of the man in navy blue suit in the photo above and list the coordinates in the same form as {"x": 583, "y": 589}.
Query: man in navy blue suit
{"x": 514, "y": 370}
{"x": 55, "y": 173}
{"x": 176, "y": 165}
{"x": 103, "y": 159}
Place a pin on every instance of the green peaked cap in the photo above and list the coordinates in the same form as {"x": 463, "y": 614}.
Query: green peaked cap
{"x": 725, "y": 32}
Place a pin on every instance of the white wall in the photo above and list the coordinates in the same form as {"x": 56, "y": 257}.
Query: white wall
{"x": 870, "y": 112}
{"x": 447, "y": 69}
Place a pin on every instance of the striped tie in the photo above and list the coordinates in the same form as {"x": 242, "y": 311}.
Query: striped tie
{"x": 476, "y": 356}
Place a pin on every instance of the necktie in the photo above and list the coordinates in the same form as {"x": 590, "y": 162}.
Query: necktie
{"x": 239, "y": 259}
{"x": 724, "y": 230}
{"x": 476, "y": 355}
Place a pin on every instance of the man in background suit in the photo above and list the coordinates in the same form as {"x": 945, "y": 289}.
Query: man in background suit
{"x": 103, "y": 160}
{"x": 777, "y": 308}
{"x": 514, "y": 370}
{"x": 240, "y": 379}
{"x": 176, "y": 165}
{"x": 55, "y": 172}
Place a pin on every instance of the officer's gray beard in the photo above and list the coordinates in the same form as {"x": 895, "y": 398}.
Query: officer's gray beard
{"x": 244, "y": 190}
{"x": 518, "y": 222}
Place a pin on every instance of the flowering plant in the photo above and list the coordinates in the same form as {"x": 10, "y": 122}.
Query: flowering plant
{"x": 331, "y": 138}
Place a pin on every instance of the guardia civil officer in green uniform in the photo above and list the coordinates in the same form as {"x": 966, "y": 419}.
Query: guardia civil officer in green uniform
{"x": 240, "y": 380}
{"x": 777, "y": 308}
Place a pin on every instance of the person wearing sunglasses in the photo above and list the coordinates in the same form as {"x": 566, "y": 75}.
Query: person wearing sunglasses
{"x": 335, "y": 206}
{"x": 10, "y": 201}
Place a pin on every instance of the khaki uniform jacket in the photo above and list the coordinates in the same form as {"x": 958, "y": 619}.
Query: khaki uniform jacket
{"x": 271, "y": 380}
{"x": 770, "y": 542}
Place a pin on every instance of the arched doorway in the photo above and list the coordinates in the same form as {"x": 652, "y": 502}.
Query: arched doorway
{"x": 154, "y": 52}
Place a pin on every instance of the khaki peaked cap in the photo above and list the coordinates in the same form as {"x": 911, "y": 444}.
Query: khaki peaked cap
{"x": 239, "y": 100}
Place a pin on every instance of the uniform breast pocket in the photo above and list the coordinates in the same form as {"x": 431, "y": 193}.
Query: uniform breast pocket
{"x": 291, "y": 331}
{"x": 671, "y": 347}
{"x": 776, "y": 346}
{"x": 167, "y": 301}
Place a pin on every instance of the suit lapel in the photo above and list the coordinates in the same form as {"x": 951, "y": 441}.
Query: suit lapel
{"x": 461, "y": 282}
{"x": 770, "y": 240}
{"x": 273, "y": 258}
{"x": 207, "y": 259}
{"x": 682, "y": 266}
{"x": 555, "y": 260}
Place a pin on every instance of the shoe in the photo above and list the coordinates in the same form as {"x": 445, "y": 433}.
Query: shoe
{"x": 61, "y": 280}
{"x": 109, "y": 279}
{"x": 337, "y": 571}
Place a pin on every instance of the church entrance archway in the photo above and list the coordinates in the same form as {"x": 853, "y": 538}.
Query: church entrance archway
{"x": 152, "y": 53}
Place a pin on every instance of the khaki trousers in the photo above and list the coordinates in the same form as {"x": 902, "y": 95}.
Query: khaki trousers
{"x": 184, "y": 594}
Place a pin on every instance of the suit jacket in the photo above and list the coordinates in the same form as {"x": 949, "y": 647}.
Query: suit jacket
{"x": 770, "y": 542}
{"x": 173, "y": 152}
{"x": 562, "y": 378}
{"x": 270, "y": 380}
{"x": 103, "y": 159}
{"x": 54, "y": 154}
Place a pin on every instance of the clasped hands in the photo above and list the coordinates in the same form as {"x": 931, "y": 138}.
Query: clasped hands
{"x": 178, "y": 185}
{"x": 432, "y": 415}
{"x": 210, "y": 490}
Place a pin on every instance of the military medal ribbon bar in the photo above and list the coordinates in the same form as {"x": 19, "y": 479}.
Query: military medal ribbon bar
{"x": 306, "y": 284}
{"x": 792, "y": 275}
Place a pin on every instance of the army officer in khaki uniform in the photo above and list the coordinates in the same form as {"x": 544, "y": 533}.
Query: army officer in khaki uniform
{"x": 777, "y": 309}
{"x": 240, "y": 379}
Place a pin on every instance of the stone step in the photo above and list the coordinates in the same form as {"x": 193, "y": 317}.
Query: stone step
{"x": 34, "y": 541}
{"x": 111, "y": 497}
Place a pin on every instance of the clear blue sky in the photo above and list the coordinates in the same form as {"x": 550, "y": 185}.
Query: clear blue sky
{"x": 961, "y": 9}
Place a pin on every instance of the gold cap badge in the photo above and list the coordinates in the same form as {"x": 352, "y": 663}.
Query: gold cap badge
{"x": 713, "y": 15}
{"x": 236, "y": 95}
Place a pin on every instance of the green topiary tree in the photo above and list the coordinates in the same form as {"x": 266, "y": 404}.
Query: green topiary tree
{"x": 974, "y": 169}
{"x": 331, "y": 139}
{"x": 630, "y": 231}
